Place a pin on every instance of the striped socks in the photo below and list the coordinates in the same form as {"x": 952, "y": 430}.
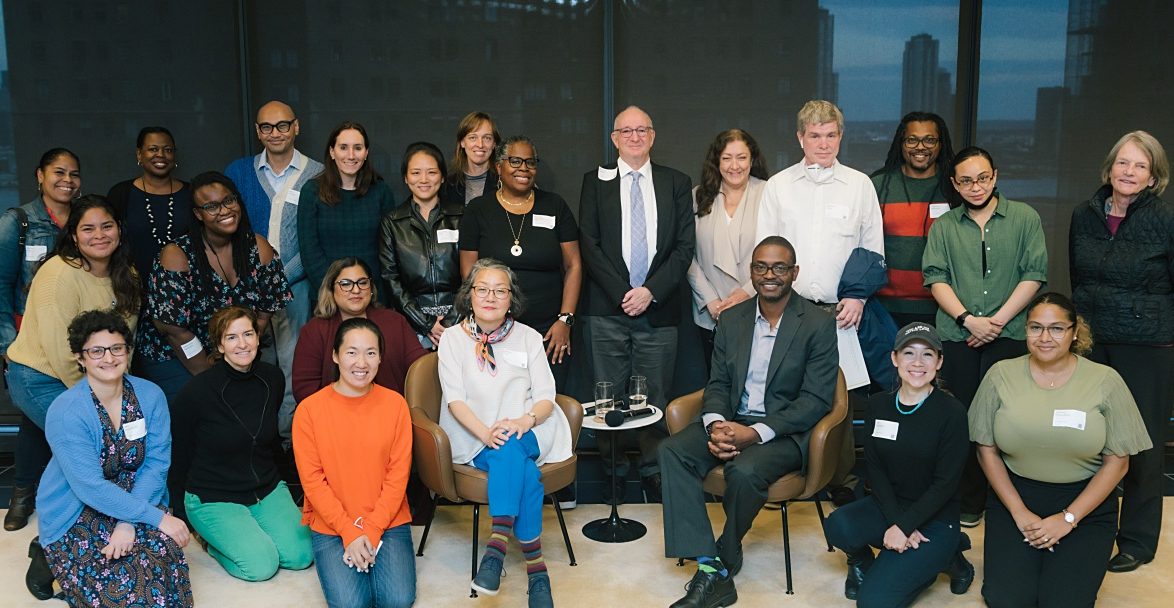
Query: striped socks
{"x": 532, "y": 551}
{"x": 503, "y": 526}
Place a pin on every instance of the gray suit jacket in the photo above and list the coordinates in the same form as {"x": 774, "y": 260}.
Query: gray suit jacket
{"x": 801, "y": 376}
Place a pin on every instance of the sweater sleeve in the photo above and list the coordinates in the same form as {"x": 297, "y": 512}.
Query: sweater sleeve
{"x": 319, "y": 495}
{"x": 151, "y": 478}
{"x": 395, "y": 479}
{"x": 309, "y": 360}
{"x": 953, "y": 449}
{"x": 313, "y": 256}
{"x": 184, "y": 421}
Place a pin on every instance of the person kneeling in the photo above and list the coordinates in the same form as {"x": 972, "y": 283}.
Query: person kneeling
{"x": 773, "y": 377}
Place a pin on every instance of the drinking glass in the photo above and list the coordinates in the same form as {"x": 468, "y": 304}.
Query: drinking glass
{"x": 604, "y": 399}
{"x": 637, "y": 392}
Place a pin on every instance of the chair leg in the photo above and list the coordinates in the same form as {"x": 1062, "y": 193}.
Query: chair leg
{"x": 428, "y": 527}
{"x": 680, "y": 562}
{"x": 558, "y": 510}
{"x": 823, "y": 524}
{"x": 476, "y": 521}
{"x": 787, "y": 548}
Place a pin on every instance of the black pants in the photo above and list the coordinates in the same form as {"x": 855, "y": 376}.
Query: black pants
{"x": 31, "y": 453}
{"x": 684, "y": 462}
{"x": 963, "y": 370}
{"x": 1147, "y": 371}
{"x": 1019, "y": 575}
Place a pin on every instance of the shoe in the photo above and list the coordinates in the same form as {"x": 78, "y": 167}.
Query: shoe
{"x": 961, "y": 573}
{"x": 1124, "y": 562}
{"x": 858, "y": 564}
{"x": 708, "y": 590}
{"x": 566, "y": 498}
{"x": 969, "y": 520}
{"x": 538, "y": 595}
{"x": 39, "y": 579}
{"x": 24, "y": 501}
{"x": 651, "y": 487}
{"x": 489, "y": 573}
{"x": 773, "y": 506}
{"x": 842, "y": 496}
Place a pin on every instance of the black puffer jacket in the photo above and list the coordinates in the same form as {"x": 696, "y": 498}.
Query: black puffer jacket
{"x": 417, "y": 268}
{"x": 1123, "y": 284}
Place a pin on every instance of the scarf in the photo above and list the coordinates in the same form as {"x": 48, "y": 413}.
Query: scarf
{"x": 483, "y": 347}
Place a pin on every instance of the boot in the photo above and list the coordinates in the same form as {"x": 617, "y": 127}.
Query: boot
{"x": 24, "y": 500}
{"x": 39, "y": 579}
{"x": 961, "y": 573}
{"x": 858, "y": 563}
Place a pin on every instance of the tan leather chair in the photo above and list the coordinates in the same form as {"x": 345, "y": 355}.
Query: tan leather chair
{"x": 432, "y": 453}
{"x": 823, "y": 451}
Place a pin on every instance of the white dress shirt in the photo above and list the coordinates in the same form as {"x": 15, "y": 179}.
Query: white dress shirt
{"x": 648, "y": 193}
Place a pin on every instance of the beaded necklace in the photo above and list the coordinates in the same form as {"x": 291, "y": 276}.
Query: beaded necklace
{"x": 170, "y": 214}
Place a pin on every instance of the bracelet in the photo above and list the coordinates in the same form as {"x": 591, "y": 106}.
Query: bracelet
{"x": 533, "y": 418}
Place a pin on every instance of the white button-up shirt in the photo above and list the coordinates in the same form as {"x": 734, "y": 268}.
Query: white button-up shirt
{"x": 648, "y": 193}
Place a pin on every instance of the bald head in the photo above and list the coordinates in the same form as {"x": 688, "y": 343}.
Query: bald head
{"x": 633, "y": 148}
{"x": 273, "y": 117}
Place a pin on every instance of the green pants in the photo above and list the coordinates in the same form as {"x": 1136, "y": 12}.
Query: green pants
{"x": 251, "y": 542}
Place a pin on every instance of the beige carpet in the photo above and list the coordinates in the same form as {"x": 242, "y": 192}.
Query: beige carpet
{"x": 629, "y": 574}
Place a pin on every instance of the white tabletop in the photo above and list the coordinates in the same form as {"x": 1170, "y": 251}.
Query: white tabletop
{"x": 590, "y": 422}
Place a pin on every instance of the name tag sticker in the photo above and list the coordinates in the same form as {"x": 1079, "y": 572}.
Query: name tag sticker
{"x": 937, "y": 210}
{"x": 606, "y": 175}
{"x": 885, "y": 429}
{"x": 515, "y": 358}
{"x": 544, "y": 221}
{"x": 135, "y": 430}
{"x": 836, "y": 212}
{"x": 1073, "y": 419}
{"x": 444, "y": 235}
{"x": 191, "y": 348}
{"x": 35, "y": 253}
{"x": 293, "y": 196}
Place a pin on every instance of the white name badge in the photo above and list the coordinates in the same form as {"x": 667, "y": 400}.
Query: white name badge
{"x": 836, "y": 212}
{"x": 937, "y": 210}
{"x": 515, "y": 358}
{"x": 191, "y": 348}
{"x": 606, "y": 175}
{"x": 293, "y": 196}
{"x": 135, "y": 430}
{"x": 1073, "y": 419}
{"x": 544, "y": 221}
{"x": 444, "y": 235}
{"x": 885, "y": 429}
{"x": 35, "y": 253}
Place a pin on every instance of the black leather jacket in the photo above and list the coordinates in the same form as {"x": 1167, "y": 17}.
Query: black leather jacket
{"x": 418, "y": 270}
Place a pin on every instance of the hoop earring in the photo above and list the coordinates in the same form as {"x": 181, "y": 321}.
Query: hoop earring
{"x": 499, "y": 184}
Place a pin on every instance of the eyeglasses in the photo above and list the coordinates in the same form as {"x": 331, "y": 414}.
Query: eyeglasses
{"x": 928, "y": 141}
{"x": 99, "y": 352}
{"x": 1057, "y": 332}
{"x": 362, "y": 284}
{"x": 483, "y": 292}
{"x": 778, "y": 269}
{"x": 983, "y": 181}
{"x": 282, "y": 127}
{"x": 517, "y": 161}
{"x": 628, "y": 132}
{"x": 215, "y": 207}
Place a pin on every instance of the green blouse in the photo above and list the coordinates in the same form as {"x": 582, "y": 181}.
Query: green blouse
{"x": 1034, "y": 427}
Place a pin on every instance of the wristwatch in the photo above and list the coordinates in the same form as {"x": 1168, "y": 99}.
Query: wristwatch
{"x": 1069, "y": 518}
{"x": 961, "y": 319}
{"x": 567, "y": 317}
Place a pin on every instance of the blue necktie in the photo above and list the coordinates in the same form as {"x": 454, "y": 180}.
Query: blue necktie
{"x": 638, "y": 270}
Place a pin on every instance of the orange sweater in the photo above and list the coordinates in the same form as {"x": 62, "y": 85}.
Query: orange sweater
{"x": 354, "y": 455}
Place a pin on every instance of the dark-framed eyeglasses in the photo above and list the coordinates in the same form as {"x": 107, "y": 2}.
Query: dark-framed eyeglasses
{"x": 518, "y": 161}
{"x": 483, "y": 292}
{"x": 778, "y": 269}
{"x": 99, "y": 352}
{"x": 1057, "y": 332}
{"x": 628, "y": 132}
{"x": 983, "y": 181}
{"x": 928, "y": 141}
{"x": 215, "y": 207}
{"x": 282, "y": 126}
{"x": 362, "y": 284}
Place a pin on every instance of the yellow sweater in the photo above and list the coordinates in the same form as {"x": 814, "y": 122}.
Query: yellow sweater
{"x": 59, "y": 292}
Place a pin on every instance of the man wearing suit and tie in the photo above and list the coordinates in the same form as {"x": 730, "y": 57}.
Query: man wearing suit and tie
{"x": 773, "y": 377}
{"x": 637, "y": 235}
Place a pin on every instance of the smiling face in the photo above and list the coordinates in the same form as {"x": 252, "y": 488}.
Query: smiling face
{"x": 272, "y": 115}
{"x": 635, "y": 148}
{"x": 478, "y": 145}
{"x": 920, "y": 159}
{"x": 423, "y": 178}
{"x": 109, "y": 368}
{"x": 490, "y": 310}
{"x": 1130, "y": 173}
{"x": 97, "y": 235}
{"x": 60, "y": 180}
{"x": 352, "y": 302}
{"x": 223, "y": 222}
{"x": 157, "y": 156}
{"x": 358, "y": 361}
{"x": 349, "y": 152}
{"x": 771, "y": 286}
{"x": 734, "y": 164}
{"x": 239, "y": 344}
{"x": 820, "y": 143}
{"x": 917, "y": 364}
{"x": 517, "y": 181}
{"x": 969, "y": 176}
{"x": 1044, "y": 347}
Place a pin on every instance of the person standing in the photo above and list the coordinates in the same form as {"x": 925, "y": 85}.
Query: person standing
{"x": 637, "y": 240}
{"x": 471, "y": 173}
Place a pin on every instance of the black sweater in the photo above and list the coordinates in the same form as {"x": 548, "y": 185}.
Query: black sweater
{"x": 213, "y": 420}
{"x": 915, "y": 477}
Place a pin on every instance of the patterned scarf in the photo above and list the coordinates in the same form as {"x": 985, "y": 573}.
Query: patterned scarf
{"x": 484, "y": 342}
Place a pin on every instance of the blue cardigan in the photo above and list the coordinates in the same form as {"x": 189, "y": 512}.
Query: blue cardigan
{"x": 74, "y": 478}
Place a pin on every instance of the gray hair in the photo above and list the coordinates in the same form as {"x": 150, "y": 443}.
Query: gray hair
{"x": 500, "y": 154}
{"x": 464, "y": 299}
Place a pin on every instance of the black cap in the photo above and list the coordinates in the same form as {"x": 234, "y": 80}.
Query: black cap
{"x": 918, "y": 331}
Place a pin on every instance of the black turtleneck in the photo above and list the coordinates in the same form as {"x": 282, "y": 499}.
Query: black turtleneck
{"x": 214, "y": 419}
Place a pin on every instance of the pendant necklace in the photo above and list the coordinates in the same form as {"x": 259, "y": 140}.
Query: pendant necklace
{"x": 516, "y": 250}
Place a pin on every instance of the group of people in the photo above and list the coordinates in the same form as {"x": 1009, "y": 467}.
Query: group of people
{"x": 210, "y": 285}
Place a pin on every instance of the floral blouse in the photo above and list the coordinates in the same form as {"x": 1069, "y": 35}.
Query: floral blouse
{"x": 180, "y": 299}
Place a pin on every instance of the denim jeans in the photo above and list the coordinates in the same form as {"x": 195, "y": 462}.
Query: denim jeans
{"x": 169, "y": 375}
{"x": 391, "y": 582}
{"x": 33, "y": 392}
{"x": 287, "y": 326}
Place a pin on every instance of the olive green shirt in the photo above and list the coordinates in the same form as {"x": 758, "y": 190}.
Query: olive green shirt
{"x": 1015, "y": 252}
{"x": 1033, "y": 427}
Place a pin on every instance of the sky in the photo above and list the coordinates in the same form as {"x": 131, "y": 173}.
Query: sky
{"x": 1022, "y": 50}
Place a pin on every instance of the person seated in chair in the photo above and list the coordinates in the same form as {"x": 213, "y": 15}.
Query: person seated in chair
{"x": 773, "y": 377}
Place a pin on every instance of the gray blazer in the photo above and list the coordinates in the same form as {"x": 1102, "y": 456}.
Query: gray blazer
{"x": 721, "y": 260}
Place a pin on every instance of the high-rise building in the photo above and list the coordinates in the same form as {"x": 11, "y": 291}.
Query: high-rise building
{"x": 827, "y": 81}
{"x": 924, "y": 85}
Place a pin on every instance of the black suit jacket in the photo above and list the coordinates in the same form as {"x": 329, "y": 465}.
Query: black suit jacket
{"x": 801, "y": 375}
{"x": 601, "y": 245}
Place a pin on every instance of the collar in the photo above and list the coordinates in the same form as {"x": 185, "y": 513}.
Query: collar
{"x": 262, "y": 161}
{"x": 1000, "y": 208}
{"x": 625, "y": 169}
{"x": 838, "y": 173}
{"x": 758, "y": 316}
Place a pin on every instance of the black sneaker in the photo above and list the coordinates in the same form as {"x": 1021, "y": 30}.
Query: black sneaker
{"x": 539, "y": 592}
{"x": 651, "y": 487}
{"x": 489, "y": 573}
{"x": 961, "y": 573}
{"x": 708, "y": 590}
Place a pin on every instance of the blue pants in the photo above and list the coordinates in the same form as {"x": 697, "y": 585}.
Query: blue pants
{"x": 391, "y": 582}
{"x": 894, "y": 579}
{"x": 514, "y": 485}
{"x": 169, "y": 375}
{"x": 287, "y": 326}
{"x": 32, "y": 392}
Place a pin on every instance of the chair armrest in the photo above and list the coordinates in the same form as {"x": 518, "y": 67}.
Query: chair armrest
{"x": 432, "y": 455}
{"x": 823, "y": 448}
{"x": 683, "y": 410}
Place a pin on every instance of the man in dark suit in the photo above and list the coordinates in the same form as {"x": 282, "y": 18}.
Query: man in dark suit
{"x": 773, "y": 377}
{"x": 636, "y": 224}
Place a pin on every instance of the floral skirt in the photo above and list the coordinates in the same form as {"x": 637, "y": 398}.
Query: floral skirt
{"x": 153, "y": 574}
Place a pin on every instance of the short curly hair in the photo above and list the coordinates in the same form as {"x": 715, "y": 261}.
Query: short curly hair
{"x": 91, "y": 322}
